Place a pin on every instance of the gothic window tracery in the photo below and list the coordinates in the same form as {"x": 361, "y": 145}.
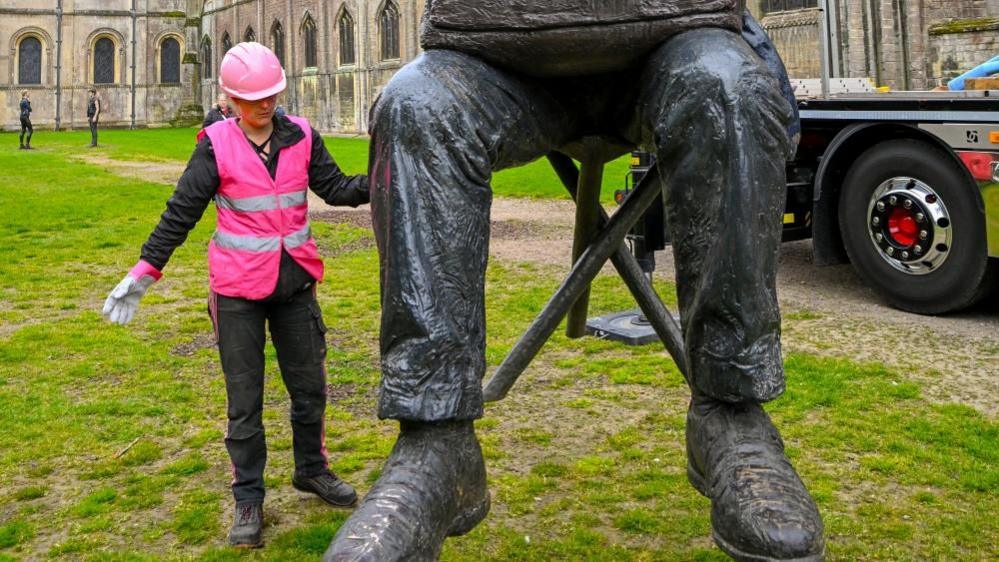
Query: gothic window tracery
{"x": 277, "y": 41}
{"x": 249, "y": 35}
{"x": 345, "y": 28}
{"x": 388, "y": 23}
{"x": 226, "y": 43}
{"x": 309, "y": 41}
{"x": 206, "y": 57}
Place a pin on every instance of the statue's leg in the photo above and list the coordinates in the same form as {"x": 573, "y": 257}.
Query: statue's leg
{"x": 719, "y": 124}
{"x": 439, "y": 129}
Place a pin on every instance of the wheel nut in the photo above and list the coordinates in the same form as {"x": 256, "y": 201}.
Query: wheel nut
{"x": 920, "y": 217}
{"x": 905, "y": 255}
{"x": 918, "y": 250}
{"x": 881, "y": 205}
{"x": 923, "y": 234}
{"x": 879, "y": 237}
{"x": 875, "y": 221}
{"x": 892, "y": 200}
{"x": 890, "y": 251}
{"x": 907, "y": 204}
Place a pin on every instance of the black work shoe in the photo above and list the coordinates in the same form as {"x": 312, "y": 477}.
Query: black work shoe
{"x": 21, "y": 147}
{"x": 328, "y": 486}
{"x": 433, "y": 486}
{"x": 247, "y": 525}
{"x": 760, "y": 510}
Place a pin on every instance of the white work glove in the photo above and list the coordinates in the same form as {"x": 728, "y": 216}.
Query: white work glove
{"x": 123, "y": 301}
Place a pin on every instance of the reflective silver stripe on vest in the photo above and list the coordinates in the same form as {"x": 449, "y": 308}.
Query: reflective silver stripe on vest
{"x": 293, "y": 199}
{"x": 246, "y": 243}
{"x": 261, "y": 202}
{"x": 299, "y": 237}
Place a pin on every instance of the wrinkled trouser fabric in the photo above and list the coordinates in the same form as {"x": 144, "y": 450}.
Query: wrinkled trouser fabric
{"x": 26, "y": 128}
{"x": 297, "y": 331}
{"x": 93, "y": 130}
{"x": 715, "y": 118}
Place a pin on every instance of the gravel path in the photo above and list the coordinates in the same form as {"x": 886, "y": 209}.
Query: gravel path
{"x": 955, "y": 358}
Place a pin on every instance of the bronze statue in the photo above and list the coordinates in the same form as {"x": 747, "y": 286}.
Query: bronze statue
{"x": 500, "y": 84}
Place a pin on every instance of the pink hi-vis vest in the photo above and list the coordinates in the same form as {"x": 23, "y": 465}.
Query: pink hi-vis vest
{"x": 257, "y": 215}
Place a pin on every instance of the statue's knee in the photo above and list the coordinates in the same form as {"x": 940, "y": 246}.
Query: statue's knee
{"x": 415, "y": 100}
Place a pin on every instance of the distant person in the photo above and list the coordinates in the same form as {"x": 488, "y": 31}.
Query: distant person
{"x": 219, "y": 112}
{"x": 93, "y": 114}
{"x": 26, "y": 120}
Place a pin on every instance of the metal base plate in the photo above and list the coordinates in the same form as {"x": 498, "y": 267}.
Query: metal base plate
{"x": 624, "y": 327}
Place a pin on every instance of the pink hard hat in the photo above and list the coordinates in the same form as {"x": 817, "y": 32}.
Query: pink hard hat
{"x": 251, "y": 71}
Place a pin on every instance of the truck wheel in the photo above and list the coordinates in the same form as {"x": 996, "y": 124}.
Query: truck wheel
{"x": 914, "y": 228}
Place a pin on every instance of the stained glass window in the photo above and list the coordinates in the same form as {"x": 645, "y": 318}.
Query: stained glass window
{"x": 277, "y": 41}
{"x": 104, "y": 61}
{"x": 346, "y": 30}
{"x": 389, "y": 22}
{"x": 226, "y": 43}
{"x": 309, "y": 36}
{"x": 29, "y": 61}
{"x": 249, "y": 35}
{"x": 170, "y": 61}
{"x": 206, "y": 58}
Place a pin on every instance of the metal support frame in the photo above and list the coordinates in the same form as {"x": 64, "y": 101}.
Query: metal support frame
{"x": 608, "y": 243}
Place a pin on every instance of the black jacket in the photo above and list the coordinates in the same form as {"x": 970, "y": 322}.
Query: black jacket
{"x": 215, "y": 115}
{"x": 25, "y": 109}
{"x": 200, "y": 182}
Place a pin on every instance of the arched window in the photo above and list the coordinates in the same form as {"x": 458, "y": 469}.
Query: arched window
{"x": 389, "y": 24}
{"x": 309, "y": 40}
{"x": 29, "y": 61}
{"x": 277, "y": 41}
{"x": 249, "y": 35}
{"x": 170, "y": 61}
{"x": 346, "y": 29}
{"x": 226, "y": 43}
{"x": 104, "y": 61}
{"x": 206, "y": 57}
{"x": 768, "y": 6}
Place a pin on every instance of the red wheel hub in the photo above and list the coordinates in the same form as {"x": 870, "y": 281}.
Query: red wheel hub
{"x": 902, "y": 227}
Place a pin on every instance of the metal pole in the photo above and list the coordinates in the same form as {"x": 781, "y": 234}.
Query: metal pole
{"x": 587, "y": 224}
{"x": 134, "y": 18}
{"x": 824, "y": 44}
{"x": 589, "y": 264}
{"x": 58, "y": 66}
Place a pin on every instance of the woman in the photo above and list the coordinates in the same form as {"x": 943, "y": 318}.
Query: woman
{"x": 26, "y": 120}
{"x": 263, "y": 267}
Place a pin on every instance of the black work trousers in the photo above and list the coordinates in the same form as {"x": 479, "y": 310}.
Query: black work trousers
{"x": 704, "y": 102}
{"x": 26, "y": 128}
{"x": 297, "y": 331}
{"x": 93, "y": 130}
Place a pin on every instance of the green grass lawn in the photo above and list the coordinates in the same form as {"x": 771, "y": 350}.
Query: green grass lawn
{"x": 110, "y": 437}
{"x": 175, "y": 145}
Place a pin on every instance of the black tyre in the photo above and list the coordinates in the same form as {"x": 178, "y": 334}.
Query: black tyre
{"x": 914, "y": 228}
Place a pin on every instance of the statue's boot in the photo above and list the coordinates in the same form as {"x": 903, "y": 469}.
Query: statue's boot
{"x": 760, "y": 510}
{"x": 433, "y": 486}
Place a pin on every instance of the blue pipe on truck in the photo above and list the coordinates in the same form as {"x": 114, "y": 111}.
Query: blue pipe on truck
{"x": 981, "y": 71}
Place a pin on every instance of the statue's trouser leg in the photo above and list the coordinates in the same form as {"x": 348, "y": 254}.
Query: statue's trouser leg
{"x": 719, "y": 123}
{"x": 439, "y": 129}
